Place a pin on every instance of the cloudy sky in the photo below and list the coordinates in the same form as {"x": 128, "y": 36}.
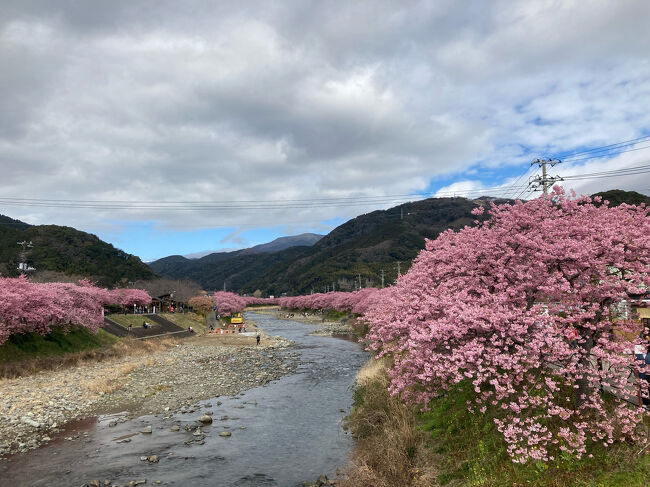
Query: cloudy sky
{"x": 171, "y": 127}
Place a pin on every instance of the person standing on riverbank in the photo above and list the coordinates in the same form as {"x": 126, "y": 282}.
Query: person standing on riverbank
{"x": 258, "y": 338}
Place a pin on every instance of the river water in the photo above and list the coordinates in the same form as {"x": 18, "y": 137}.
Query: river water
{"x": 283, "y": 434}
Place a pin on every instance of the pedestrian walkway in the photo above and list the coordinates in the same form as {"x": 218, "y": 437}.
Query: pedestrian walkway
{"x": 211, "y": 320}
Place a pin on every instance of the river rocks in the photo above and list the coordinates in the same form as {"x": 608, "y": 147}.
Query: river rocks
{"x": 146, "y": 430}
{"x": 225, "y": 434}
{"x": 153, "y": 459}
{"x": 334, "y": 328}
{"x": 39, "y": 405}
{"x": 322, "y": 481}
{"x": 175, "y": 428}
{"x": 30, "y": 422}
{"x": 205, "y": 419}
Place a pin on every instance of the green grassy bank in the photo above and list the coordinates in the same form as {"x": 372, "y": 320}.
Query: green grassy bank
{"x": 399, "y": 445}
{"x": 472, "y": 452}
{"x": 27, "y": 346}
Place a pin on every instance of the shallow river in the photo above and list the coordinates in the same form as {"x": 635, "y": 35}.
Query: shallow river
{"x": 291, "y": 431}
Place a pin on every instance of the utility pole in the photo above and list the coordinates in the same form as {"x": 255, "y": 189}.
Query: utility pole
{"x": 382, "y": 278}
{"x": 399, "y": 269}
{"x": 545, "y": 181}
{"x": 224, "y": 286}
{"x": 333, "y": 288}
{"x": 359, "y": 282}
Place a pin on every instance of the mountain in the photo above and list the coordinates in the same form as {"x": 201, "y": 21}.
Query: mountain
{"x": 304, "y": 239}
{"x": 618, "y": 196}
{"x": 280, "y": 243}
{"x": 358, "y": 249}
{"x": 66, "y": 250}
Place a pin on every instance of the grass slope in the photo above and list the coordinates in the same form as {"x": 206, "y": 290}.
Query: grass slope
{"x": 184, "y": 320}
{"x": 31, "y": 345}
{"x": 398, "y": 445}
{"x": 473, "y": 452}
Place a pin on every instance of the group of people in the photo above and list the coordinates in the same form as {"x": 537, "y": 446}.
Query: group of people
{"x": 145, "y": 325}
{"x": 240, "y": 329}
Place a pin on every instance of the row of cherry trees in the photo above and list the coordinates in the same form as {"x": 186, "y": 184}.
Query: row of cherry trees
{"x": 525, "y": 307}
{"x": 227, "y": 303}
{"x": 29, "y": 307}
{"x": 357, "y": 302}
{"x": 253, "y": 301}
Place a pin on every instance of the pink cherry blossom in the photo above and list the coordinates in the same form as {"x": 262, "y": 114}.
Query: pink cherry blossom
{"x": 29, "y": 307}
{"x": 494, "y": 304}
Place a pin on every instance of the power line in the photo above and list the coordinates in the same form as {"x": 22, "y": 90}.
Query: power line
{"x": 505, "y": 190}
{"x": 242, "y": 205}
{"x": 605, "y": 154}
{"x": 605, "y": 147}
{"x": 518, "y": 179}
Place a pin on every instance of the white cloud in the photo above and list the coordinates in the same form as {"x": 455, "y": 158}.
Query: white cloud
{"x": 165, "y": 101}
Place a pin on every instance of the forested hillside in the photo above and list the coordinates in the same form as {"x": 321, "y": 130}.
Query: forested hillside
{"x": 69, "y": 251}
{"x": 357, "y": 250}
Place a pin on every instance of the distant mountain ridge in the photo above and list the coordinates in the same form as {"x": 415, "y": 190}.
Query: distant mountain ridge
{"x": 276, "y": 245}
{"x": 358, "y": 249}
{"x": 69, "y": 251}
{"x": 618, "y": 196}
{"x": 281, "y": 243}
{"x": 355, "y": 251}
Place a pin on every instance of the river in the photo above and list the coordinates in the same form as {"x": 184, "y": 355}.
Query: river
{"x": 283, "y": 434}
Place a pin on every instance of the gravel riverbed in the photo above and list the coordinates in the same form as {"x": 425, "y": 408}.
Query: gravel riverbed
{"x": 322, "y": 326}
{"x": 34, "y": 409}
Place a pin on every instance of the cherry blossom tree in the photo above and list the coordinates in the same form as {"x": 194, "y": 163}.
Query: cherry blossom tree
{"x": 254, "y": 301}
{"x": 202, "y": 304}
{"x": 357, "y": 302}
{"x": 494, "y": 305}
{"x": 127, "y": 297}
{"x": 28, "y": 307}
{"x": 228, "y": 303}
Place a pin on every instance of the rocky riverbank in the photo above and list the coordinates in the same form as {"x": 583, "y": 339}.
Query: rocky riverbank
{"x": 336, "y": 328}
{"x": 323, "y": 326}
{"x": 35, "y": 409}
